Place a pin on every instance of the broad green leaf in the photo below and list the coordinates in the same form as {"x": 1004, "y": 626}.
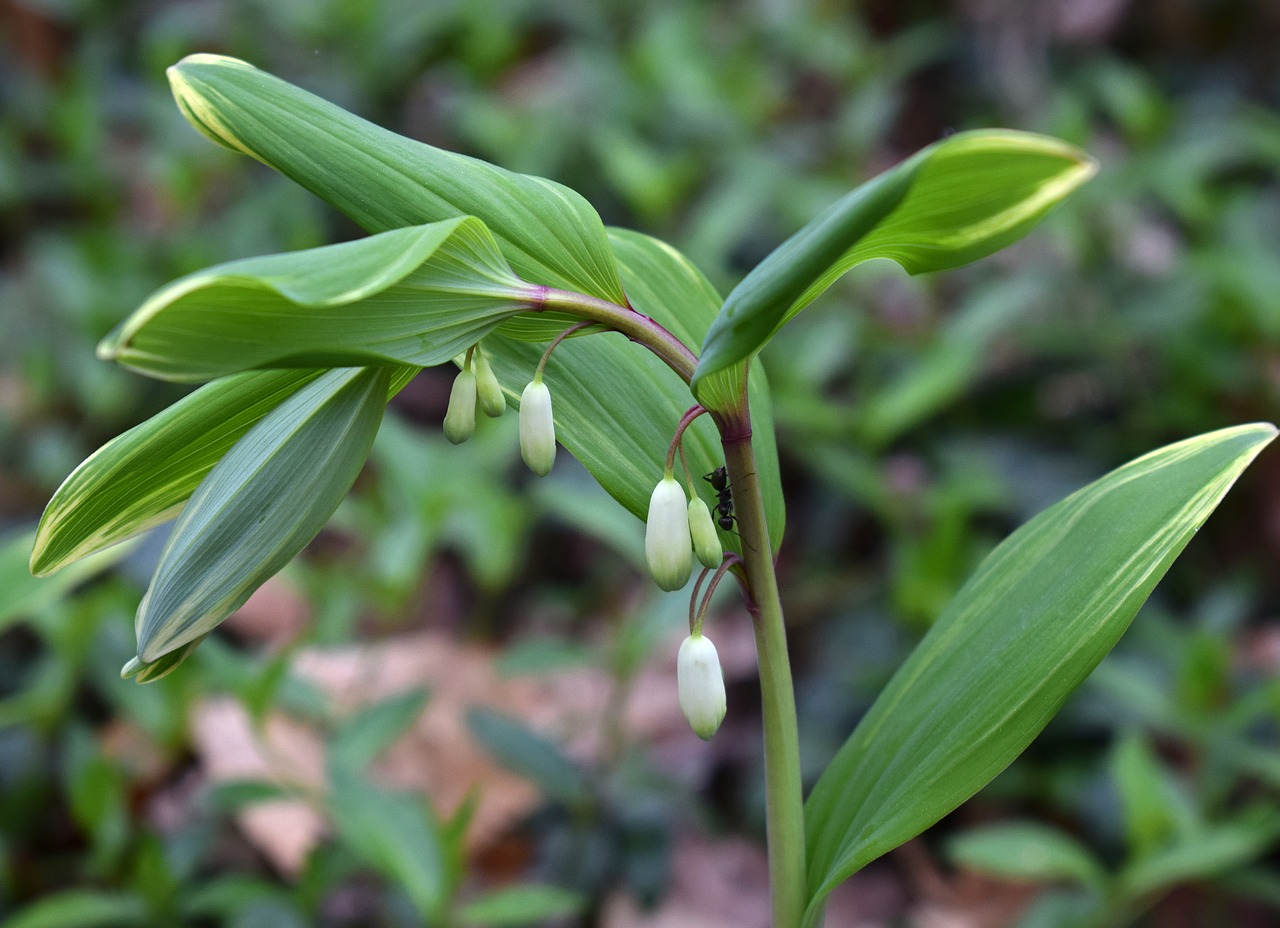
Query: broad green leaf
{"x": 615, "y": 404}
{"x": 529, "y": 904}
{"x": 81, "y": 908}
{"x": 1219, "y": 849}
{"x": 418, "y": 295}
{"x": 951, "y": 203}
{"x": 393, "y": 833}
{"x": 1024, "y": 632}
{"x": 667, "y": 287}
{"x": 22, "y": 595}
{"x": 549, "y": 233}
{"x": 529, "y": 755}
{"x": 260, "y": 505}
{"x": 1025, "y": 852}
{"x": 144, "y": 476}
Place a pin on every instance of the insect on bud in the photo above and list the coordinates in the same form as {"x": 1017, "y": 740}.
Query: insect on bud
{"x": 460, "y": 420}
{"x": 700, "y": 682}
{"x": 667, "y": 545}
{"x": 488, "y": 389}
{"x": 537, "y": 428}
{"x": 706, "y": 540}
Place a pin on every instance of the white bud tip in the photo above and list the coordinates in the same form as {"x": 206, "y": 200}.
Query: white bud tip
{"x": 667, "y": 545}
{"x": 537, "y": 429}
{"x": 706, "y": 540}
{"x": 701, "y": 685}
{"x": 460, "y": 420}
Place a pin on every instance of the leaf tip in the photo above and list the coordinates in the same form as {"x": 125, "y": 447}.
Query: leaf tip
{"x": 195, "y": 102}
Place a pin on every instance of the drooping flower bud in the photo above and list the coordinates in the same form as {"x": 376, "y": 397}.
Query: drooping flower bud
{"x": 700, "y": 682}
{"x": 488, "y": 389}
{"x": 706, "y": 540}
{"x": 460, "y": 419}
{"x": 667, "y": 545}
{"x": 537, "y": 428}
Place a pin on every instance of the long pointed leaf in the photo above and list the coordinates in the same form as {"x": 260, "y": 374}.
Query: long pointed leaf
{"x": 417, "y": 295}
{"x": 143, "y": 477}
{"x": 1024, "y": 632}
{"x": 951, "y": 203}
{"x": 260, "y": 505}
{"x": 549, "y": 233}
{"x": 618, "y": 415}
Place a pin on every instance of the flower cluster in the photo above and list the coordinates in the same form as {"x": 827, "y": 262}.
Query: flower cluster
{"x": 476, "y": 383}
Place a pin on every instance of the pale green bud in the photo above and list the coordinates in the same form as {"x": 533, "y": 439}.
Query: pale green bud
{"x": 706, "y": 540}
{"x": 537, "y": 428}
{"x": 460, "y": 420}
{"x": 488, "y": 389}
{"x": 667, "y": 545}
{"x": 700, "y": 682}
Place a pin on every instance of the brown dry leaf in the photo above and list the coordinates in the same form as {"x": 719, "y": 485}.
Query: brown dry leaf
{"x": 437, "y": 755}
{"x": 289, "y": 754}
{"x": 720, "y": 883}
{"x": 275, "y": 614}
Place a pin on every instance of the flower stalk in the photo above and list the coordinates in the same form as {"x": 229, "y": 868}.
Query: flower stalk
{"x": 784, "y": 797}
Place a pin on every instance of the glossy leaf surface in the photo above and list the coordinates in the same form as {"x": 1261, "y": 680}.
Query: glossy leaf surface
{"x": 260, "y": 505}
{"x": 417, "y": 295}
{"x": 615, "y": 404}
{"x": 951, "y": 203}
{"x": 143, "y": 477}
{"x": 1024, "y": 632}
{"x": 549, "y": 233}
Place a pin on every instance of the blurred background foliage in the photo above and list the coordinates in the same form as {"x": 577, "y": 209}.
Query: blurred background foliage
{"x": 920, "y": 420}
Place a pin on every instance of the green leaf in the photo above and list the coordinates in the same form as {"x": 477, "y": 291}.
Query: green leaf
{"x": 1026, "y": 852}
{"x": 418, "y": 295}
{"x": 22, "y": 595}
{"x": 162, "y": 666}
{"x": 81, "y": 908}
{"x": 1219, "y": 849}
{"x": 549, "y": 233}
{"x": 529, "y": 904}
{"x": 393, "y": 833}
{"x": 621, "y": 433}
{"x": 260, "y": 505}
{"x": 374, "y": 729}
{"x": 143, "y": 477}
{"x": 951, "y": 203}
{"x": 529, "y": 755}
{"x": 1149, "y": 817}
{"x": 1023, "y": 633}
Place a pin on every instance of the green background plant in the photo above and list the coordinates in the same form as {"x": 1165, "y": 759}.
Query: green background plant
{"x": 1144, "y": 312}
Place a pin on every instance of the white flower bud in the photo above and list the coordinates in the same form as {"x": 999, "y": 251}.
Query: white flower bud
{"x": 706, "y": 540}
{"x": 460, "y": 420}
{"x": 667, "y": 545}
{"x": 537, "y": 429}
{"x": 488, "y": 389}
{"x": 700, "y": 682}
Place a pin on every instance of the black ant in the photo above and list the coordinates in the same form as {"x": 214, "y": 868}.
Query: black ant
{"x": 719, "y": 480}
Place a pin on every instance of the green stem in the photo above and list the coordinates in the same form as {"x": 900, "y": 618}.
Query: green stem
{"x": 784, "y": 797}
{"x": 636, "y": 326}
